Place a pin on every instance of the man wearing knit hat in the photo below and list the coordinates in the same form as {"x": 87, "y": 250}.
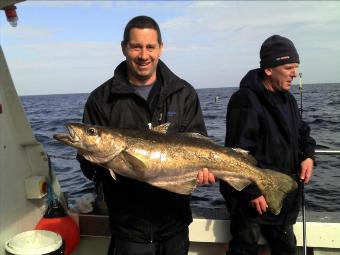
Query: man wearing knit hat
{"x": 263, "y": 118}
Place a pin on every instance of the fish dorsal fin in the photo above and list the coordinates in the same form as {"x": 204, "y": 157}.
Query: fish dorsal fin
{"x": 113, "y": 174}
{"x": 162, "y": 129}
{"x": 245, "y": 155}
{"x": 198, "y": 136}
{"x": 245, "y": 152}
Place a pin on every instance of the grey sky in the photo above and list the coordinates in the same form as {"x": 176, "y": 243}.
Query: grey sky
{"x": 72, "y": 47}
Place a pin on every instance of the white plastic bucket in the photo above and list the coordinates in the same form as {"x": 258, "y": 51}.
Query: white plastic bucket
{"x": 35, "y": 242}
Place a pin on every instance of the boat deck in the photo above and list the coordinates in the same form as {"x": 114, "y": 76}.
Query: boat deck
{"x": 212, "y": 234}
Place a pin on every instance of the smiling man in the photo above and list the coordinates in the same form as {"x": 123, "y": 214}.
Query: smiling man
{"x": 144, "y": 93}
{"x": 263, "y": 118}
{"x": 142, "y": 52}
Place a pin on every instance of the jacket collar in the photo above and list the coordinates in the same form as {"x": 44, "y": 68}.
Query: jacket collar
{"x": 170, "y": 82}
{"x": 253, "y": 81}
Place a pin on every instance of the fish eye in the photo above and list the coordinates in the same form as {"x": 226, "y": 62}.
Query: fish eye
{"x": 92, "y": 131}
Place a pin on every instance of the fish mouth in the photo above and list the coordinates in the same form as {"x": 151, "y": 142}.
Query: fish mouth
{"x": 71, "y": 138}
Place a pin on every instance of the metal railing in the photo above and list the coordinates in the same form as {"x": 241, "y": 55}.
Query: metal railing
{"x": 327, "y": 152}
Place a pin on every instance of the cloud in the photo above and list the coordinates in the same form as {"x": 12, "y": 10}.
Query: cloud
{"x": 209, "y": 43}
{"x": 24, "y": 32}
{"x": 58, "y": 66}
{"x": 232, "y": 32}
{"x": 65, "y": 4}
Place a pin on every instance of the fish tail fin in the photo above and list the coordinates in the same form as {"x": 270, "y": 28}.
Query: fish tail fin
{"x": 275, "y": 187}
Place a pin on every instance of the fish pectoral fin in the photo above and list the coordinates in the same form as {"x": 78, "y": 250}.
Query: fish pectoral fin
{"x": 237, "y": 183}
{"x": 136, "y": 164}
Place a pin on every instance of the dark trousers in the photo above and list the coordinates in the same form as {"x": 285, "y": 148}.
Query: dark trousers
{"x": 245, "y": 236}
{"x": 176, "y": 245}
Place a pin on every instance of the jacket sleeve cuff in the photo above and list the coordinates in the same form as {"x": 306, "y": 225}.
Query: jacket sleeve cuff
{"x": 309, "y": 154}
{"x": 252, "y": 191}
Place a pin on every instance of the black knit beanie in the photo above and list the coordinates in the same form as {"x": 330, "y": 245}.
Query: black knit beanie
{"x": 277, "y": 50}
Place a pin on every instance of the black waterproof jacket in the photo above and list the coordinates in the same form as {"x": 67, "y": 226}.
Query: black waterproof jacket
{"x": 255, "y": 123}
{"x": 140, "y": 212}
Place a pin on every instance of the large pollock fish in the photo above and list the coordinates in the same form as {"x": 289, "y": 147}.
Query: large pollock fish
{"x": 171, "y": 161}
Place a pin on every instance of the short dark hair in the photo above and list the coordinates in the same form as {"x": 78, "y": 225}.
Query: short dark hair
{"x": 141, "y": 22}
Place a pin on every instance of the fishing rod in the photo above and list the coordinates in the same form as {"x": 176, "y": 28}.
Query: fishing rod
{"x": 303, "y": 203}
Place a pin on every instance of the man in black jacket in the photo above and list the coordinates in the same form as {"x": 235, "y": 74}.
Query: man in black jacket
{"x": 144, "y": 92}
{"x": 263, "y": 118}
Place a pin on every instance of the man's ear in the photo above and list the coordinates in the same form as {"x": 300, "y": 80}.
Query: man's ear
{"x": 160, "y": 49}
{"x": 123, "y": 47}
{"x": 268, "y": 71}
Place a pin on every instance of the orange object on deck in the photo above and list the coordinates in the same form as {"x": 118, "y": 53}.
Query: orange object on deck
{"x": 57, "y": 220}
